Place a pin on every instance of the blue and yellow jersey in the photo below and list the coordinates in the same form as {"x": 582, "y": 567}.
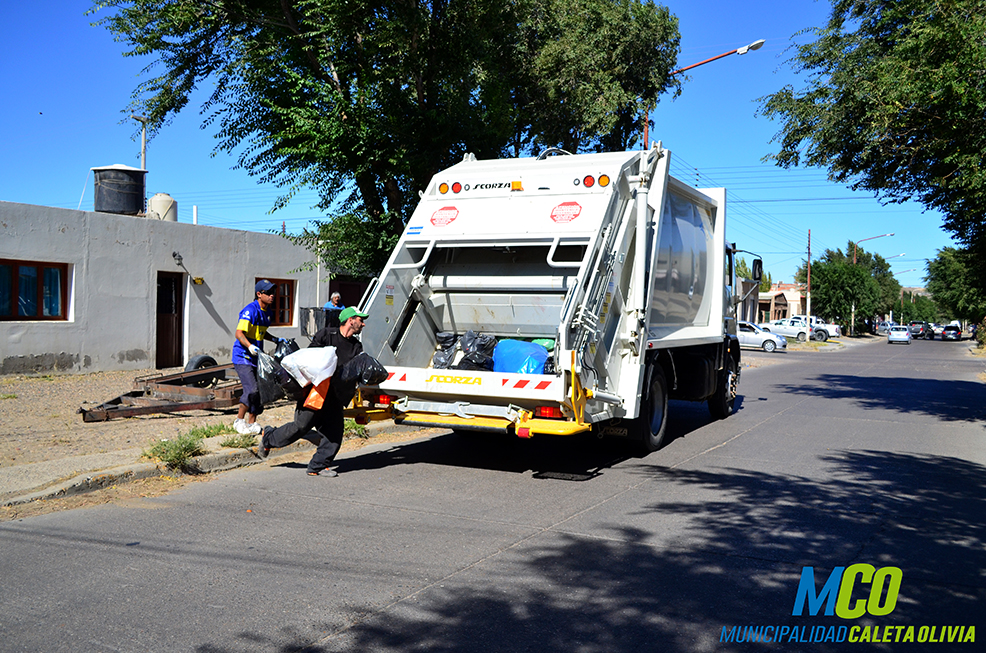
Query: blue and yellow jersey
{"x": 253, "y": 323}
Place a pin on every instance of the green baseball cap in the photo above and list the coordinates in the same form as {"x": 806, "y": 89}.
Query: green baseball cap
{"x": 347, "y": 313}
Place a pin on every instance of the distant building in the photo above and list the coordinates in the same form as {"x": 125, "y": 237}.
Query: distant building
{"x": 781, "y": 301}
{"x": 84, "y": 291}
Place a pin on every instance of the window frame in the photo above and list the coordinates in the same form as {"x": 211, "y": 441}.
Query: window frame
{"x": 283, "y": 306}
{"x": 41, "y": 266}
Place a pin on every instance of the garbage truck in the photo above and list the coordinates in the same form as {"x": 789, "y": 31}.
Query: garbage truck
{"x": 614, "y": 273}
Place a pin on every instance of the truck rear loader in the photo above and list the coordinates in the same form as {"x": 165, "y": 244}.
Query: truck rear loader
{"x": 624, "y": 269}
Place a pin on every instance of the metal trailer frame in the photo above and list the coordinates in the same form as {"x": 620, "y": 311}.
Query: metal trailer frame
{"x": 206, "y": 388}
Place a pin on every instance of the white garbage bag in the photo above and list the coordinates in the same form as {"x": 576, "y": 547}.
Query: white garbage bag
{"x": 312, "y": 365}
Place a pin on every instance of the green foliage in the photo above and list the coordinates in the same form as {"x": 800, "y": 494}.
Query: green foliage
{"x": 837, "y": 286}
{"x": 913, "y": 307}
{"x": 365, "y": 101}
{"x": 874, "y": 264}
{"x": 176, "y": 453}
{"x": 981, "y": 334}
{"x": 8, "y": 396}
{"x": 894, "y": 103}
{"x": 353, "y": 430}
{"x": 951, "y": 284}
{"x": 239, "y": 441}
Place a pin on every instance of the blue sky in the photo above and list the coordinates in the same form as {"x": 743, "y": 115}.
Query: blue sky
{"x": 65, "y": 88}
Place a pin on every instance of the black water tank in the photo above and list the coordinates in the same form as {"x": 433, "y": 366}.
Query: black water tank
{"x": 119, "y": 189}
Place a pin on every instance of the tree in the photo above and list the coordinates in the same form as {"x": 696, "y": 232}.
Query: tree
{"x": 949, "y": 282}
{"x": 894, "y": 104}
{"x": 874, "y": 264}
{"x": 839, "y": 286}
{"x": 365, "y": 101}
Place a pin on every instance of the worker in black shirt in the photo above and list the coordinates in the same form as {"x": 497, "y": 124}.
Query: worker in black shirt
{"x": 323, "y": 426}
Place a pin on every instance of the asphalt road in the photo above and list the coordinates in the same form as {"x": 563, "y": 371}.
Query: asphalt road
{"x": 872, "y": 455}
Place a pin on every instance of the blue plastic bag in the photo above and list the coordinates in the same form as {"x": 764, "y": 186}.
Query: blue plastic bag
{"x": 519, "y": 357}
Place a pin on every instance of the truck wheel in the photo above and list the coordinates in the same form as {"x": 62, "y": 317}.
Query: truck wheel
{"x": 802, "y": 336}
{"x": 821, "y": 335}
{"x": 769, "y": 346}
{"x": 649, "y": 429}
{"x": 722, "y": 402}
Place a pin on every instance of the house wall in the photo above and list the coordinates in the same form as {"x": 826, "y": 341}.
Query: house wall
{"x": 114, "y": 262}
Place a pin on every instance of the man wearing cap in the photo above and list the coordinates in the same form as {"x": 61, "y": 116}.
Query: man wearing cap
{"x": 323, "y": 426}
{"x": 251, "y": 331}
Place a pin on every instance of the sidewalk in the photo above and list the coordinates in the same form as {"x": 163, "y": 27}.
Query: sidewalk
{"x": 21, "y": 484}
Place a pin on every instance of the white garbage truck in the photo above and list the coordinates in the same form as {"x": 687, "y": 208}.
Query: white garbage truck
{"x": 619, "y": 271}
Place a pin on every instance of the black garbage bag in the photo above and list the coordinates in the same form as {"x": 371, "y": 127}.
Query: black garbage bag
{"x": 361, "y": 370}
{"x": 477, "y": 342}
{"x": 442, "y": 360}
{"x": 476, "y": 361}
{"x": 549, "y": 365}
{"x": 284, "y": 347}
{"x": 269, "y": 378}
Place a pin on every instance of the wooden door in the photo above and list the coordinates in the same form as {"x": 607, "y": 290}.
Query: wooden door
{"x": 169, "y": 320}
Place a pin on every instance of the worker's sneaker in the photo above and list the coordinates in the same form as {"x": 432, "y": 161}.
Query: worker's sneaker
{"x": 328, "y": 473}
{"x": 241, "y": 427}
{"x": 262, "y": 449}
{"x": 254, "y": 429}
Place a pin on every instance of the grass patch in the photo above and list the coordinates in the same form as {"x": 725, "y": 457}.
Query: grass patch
{"x": 176, "y": 453}
{"x": 239, "y": 441}
{"x": 353, "y": 430}
{"x": 8, "y": 396}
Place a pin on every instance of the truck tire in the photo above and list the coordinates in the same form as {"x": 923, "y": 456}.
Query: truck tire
{"x": 649, "y": 430}
{"x": 722, "y": 402}
{"x": 802, "y": 336}
{"x": 821, "y": 335}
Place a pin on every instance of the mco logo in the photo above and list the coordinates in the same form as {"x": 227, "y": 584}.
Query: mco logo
{"x": 837, "y": 593}
{"x": 464, "y": 380}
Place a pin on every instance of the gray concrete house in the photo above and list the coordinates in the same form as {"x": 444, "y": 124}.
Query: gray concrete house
{"x": 84, "y": 291}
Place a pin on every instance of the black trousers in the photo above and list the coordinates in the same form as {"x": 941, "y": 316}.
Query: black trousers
{"x": 323, "y": 428}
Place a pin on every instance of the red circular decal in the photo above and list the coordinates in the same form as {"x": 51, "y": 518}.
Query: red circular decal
{"x": 566, "y": 212}
{"x": 444, "y": 216}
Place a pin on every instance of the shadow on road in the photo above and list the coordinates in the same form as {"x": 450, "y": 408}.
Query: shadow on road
{"x": 950, "y": 401}
{"x": 574, "y": 458}
{"x": 736, "y": 562}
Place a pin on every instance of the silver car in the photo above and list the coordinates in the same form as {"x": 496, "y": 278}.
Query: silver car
{"x": 750, "y": 335}
{"x": 899, "y": 333}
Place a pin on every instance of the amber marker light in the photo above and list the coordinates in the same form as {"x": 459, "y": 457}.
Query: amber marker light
{"x": 516, "y": 185}
{"x": 604, "y": 180}
{"x": 443, "y": 188}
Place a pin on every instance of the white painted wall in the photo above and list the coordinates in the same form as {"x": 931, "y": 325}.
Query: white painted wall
{"x": 114, "y": 261}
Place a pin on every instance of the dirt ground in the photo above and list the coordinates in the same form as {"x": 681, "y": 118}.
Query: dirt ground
{"x": 39, "y": 421}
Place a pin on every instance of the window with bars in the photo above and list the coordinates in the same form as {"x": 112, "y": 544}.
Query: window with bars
{"x": 282, "y": 311}
{"x": 33, "y": 290}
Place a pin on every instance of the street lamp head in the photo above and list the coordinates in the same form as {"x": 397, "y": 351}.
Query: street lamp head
{"x": 756, "y": 45}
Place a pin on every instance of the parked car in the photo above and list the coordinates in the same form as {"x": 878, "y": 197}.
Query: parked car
{"x": 921, "y": 330}
{"x": 883, "y": 328}
{"x": 937, "y": 328}
{"x": 750, "y": 335}
{"x": 899, "y": 334}
{"x": 820, "y": 329}
{"x": 951, "y": 332}
{"x": 788, "y": 327}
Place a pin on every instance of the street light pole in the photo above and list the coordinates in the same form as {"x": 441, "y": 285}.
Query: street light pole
{"x": 852, "y": 323}
{"x": 756, "y": 45}
{"x": 143, "y": 140}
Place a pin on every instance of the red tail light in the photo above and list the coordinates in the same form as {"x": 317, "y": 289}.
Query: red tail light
{"x": 548, "y": 412}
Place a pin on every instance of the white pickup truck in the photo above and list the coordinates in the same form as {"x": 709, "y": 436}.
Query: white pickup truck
{"x": 821, "y": 330}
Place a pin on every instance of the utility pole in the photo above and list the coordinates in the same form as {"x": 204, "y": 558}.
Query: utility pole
{"x": 143, "y": 140}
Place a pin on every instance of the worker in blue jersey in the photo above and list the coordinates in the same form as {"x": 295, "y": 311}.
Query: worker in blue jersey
{"x": 251, "y": 331}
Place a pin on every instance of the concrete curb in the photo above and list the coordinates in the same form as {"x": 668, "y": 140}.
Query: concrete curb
{"x": 216, "y": 460}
